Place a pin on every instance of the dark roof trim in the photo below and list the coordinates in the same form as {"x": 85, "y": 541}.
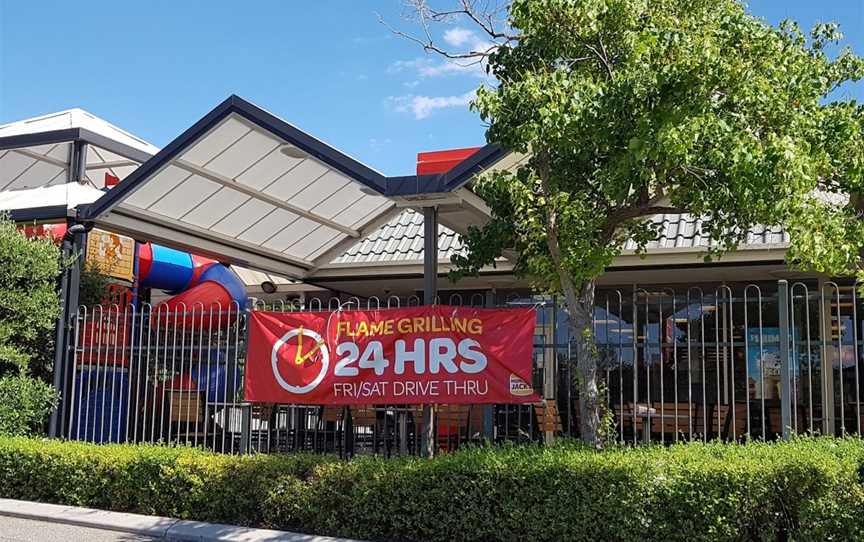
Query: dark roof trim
{"x": 255, "y": 115}
{"x": 411, "y": 185}
{"x": 474, "y": 164}
{"x": 696, "y": 266}
{"x": 39, "y": 214}
{"x": 408, "y": 185}
{"x": 39, "y": 138}
{"x": 69, "y": 135}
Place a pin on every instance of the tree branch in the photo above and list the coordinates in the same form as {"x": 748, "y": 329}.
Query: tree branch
{"x": 484, "y": 20}
{"x": 429, "y": 45}
{"x": 603, "y": 60}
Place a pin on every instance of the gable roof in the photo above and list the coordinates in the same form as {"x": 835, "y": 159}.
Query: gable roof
{"x": 244, "y": 185}
{"x": 76, "y": 119}
{"x": 57, "y": 148}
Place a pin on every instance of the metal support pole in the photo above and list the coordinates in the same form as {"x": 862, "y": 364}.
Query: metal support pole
{"x": 430, "y": 291}
{"x": 549, "y": 373}
{"x": 246, "y": 429}
{"x": 489, "y": 410}
{"x": 61, "y": 332}
{"x": 785, "y": 361}
{"x": 70, "y": 280}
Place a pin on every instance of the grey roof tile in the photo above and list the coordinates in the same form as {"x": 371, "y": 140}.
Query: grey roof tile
{"x": 401, "y": 239}
{"x": 685, "y": 231}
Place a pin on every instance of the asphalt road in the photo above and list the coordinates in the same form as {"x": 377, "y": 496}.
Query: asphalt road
{"x": 26, "y": 530}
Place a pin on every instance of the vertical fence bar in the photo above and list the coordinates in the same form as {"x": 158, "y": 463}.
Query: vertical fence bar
{"x": 807, "y": 297}
{"x": 855, "y": 356}
{"x": 674, "y": 341}
{"x": 635, "y": 334}
{"x": 130, "y": 363}
{"x": 785, "y": 377}
{"x": 80, "y": 327}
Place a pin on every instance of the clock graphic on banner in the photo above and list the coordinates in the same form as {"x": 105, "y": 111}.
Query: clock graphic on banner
{"x": 300, "y": 359}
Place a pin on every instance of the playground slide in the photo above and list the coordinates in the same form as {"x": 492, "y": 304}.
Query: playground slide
{"x": 194, "y": 280}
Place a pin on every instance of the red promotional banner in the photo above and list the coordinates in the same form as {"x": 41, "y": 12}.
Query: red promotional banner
{"x": 431, "y": 354}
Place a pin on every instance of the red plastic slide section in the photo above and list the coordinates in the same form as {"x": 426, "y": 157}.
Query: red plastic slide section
{"x": 210, "y": 295}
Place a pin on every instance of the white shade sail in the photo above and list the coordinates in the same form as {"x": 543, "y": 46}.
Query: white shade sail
{"x": 250, "y": 187}
{"x": 37, "y": 152}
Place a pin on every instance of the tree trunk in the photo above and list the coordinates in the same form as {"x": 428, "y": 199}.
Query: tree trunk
{"x": 580, "y": 307}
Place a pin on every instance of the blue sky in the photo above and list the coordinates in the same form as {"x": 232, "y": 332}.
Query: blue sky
{"x": 329, "y": 67}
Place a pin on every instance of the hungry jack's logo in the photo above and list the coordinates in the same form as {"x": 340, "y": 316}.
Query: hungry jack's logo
{"x": 300, "y": 359}
{"x": 519, "y": 387}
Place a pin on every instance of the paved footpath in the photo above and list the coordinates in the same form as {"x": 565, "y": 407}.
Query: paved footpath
{"x": 22, "y": 521}
{"x": 29, "y": 530}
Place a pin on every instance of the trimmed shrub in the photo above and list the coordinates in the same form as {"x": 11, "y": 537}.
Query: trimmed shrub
{"x": 25, "y": 404}
{"x": 808, "y": 489}
{"x": 181, "y": 482}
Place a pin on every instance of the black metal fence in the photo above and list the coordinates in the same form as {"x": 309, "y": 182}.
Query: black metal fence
{"x": 679, "y": 363}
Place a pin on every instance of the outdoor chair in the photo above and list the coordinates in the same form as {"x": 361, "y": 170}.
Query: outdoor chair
{"x": 720, "y": 421}
{"x": 740, "y": 419}
{"x": 328, "y": 437}
{"x": 453, "y": 425}
{"x": 365, "y": 427}
{"x": 548, "y": 417}
{"x": 625, "y": 415}
{"x": 671, "y": 419}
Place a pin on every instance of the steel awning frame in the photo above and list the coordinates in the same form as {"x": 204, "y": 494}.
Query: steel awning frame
{"x": 108, "y": 212}
{"x": 385, "y": 186}
{"x": 418, "y": 185}
{"x": 72, "y": 135}
{"x": 251, "y": 113}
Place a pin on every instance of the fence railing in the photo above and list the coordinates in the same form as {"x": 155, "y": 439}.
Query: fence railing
{"x": 683, "y": 363}
{"x": 726, "y": 363}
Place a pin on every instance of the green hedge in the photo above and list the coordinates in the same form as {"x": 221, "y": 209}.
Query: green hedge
{"x": 810, "y": 489}
{"x": 25, "y": 404}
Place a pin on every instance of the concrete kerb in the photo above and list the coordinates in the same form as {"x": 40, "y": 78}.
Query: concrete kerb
{"x": 151, "y": 526}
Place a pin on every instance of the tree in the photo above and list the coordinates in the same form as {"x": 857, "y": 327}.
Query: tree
{"x": 631, "y": 108}
{"x": 29, "y": 301}
{"x": 29, "y": 305}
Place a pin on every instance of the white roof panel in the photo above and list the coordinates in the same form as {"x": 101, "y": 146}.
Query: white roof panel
{"x": 296, "y": 179}
{"x": 243, "y": 217}
{"x": 184, "y": 197}
{"x": 262, "y": 230}
{"x": 264, "y": 172}
{"x": 222, "y": 137}
{"x": 323, "y": 187}
{"x": 290, "y": 234}
{"x": 308, "y": 244}
{"x": 38, "y": 173}
{"x": 243, "y": 154}
{"x": 221, "y": 203}
{"x": 345, "y": 197}
{"x": 314, "y": 255}
{"x": 158, "y": 186}
{"x": 12, "y": 165}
